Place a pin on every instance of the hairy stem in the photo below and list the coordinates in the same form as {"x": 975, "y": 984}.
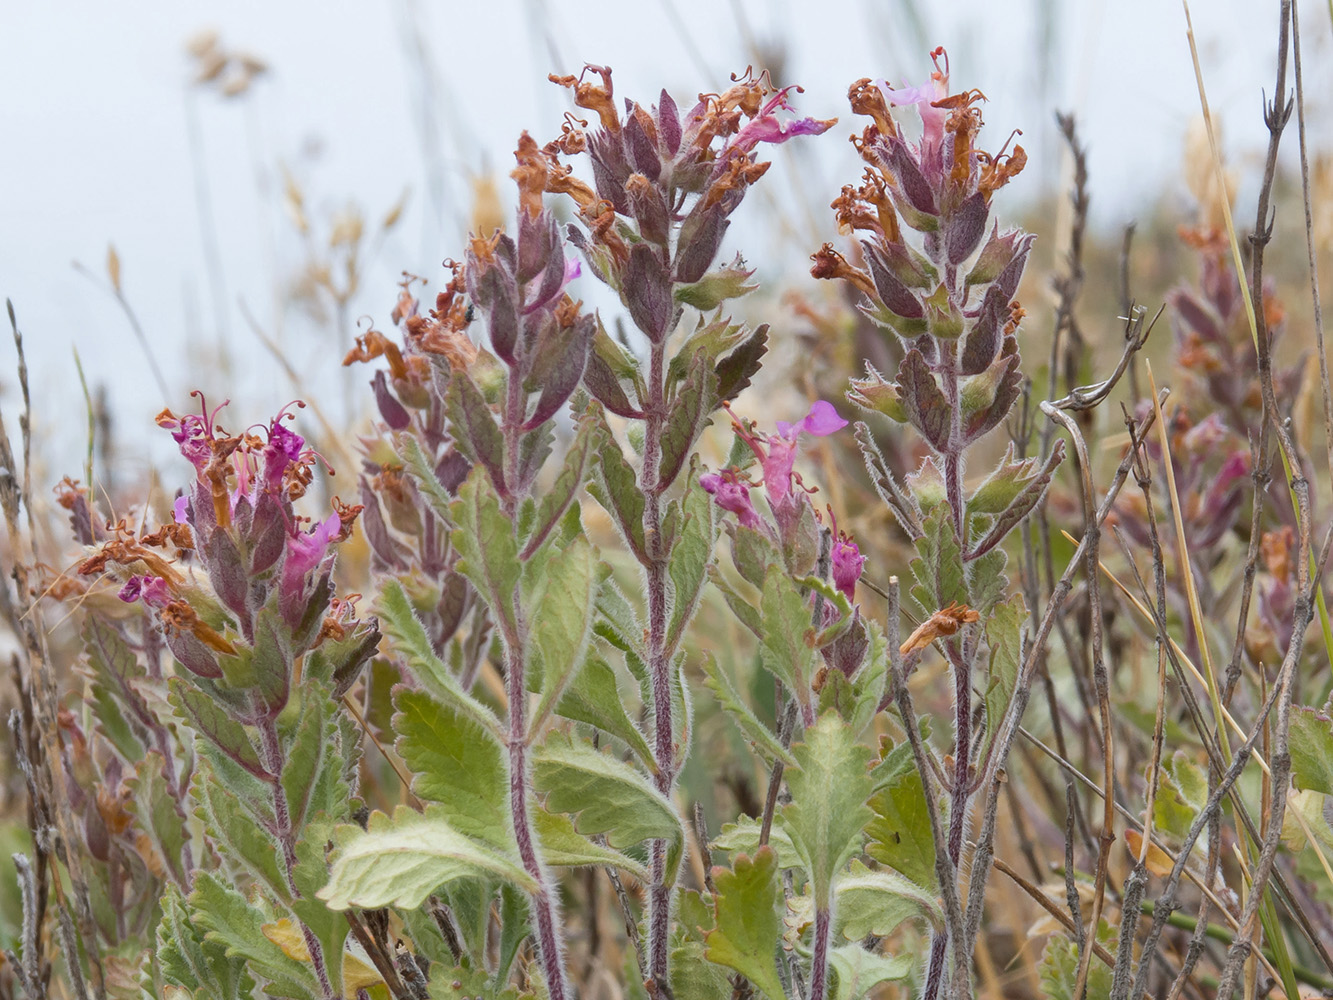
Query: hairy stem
{"x": 659, "y": 661}
{"x": 274, "y": 760}
{"x": 819, "y": 960}
{"x": 543, "y": 901}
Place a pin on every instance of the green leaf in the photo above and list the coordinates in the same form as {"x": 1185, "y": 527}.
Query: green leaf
{"x": 876, "y": 902}
{"x": 399, "y": 860}
{"x": 467, "y": 984}
{"x": 616, "y": 488}
{"x": 271, "y": 661}
{"x": 422, "y": 470}
{"x": 514, "y": 930}
{"x": 689, "y": 560}
{"x": 484, "y": 539}
{"x": 594, "y": 698}
{"x": 409, "y": 639}
{"x": 716, "y": 287}
{"x": 473, "y": 426}
{"x": 900, "y": 834}
{"x": 556, "y": 500}
{"x": 923, "y": 401}
{"x": 1059, "y": 968}
{"x": 938, "y": 566}
{"x": 1182, "y": 793}
{"x": 746, "y": 613}
{"x": 693, "y": 977}
{"x": 736, "y": 369}
{"x": 605, "y": 795}
{"x": 311, "y": 872}
{"x": 687, "y": 415}
{"x": 1311, "y": 744}
{"x": 753, "y": 553}
{"x": 856, "y": 972}
{"x": 153, "y": 804}
{"x": 189, "y": 961}
{"x": 743, "y": 836}
{"x": 564, "y": 847}
{"x": 238, "y": 928}
{"x": 562, "y": 623}
{"x": 1004, "y": 635}
{"x": 233, "y": 828}
{"x": 827, "y": 812}
{"x": 210, "y": 719}
{"x": 749, "y": 920}
{"x": 763, "y": 739}
{"x": 312, "y": 777}
{"x": 457, "y": 762}
{"x": 787, "y": 646}
{"x": 117, "y": 676}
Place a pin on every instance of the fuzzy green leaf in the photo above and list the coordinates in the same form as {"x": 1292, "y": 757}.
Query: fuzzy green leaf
{"x": 900, "y": 834}
{"x": 564, "y": 847}
{"x": 474, "y": 427}
{"x": 422, "y": 470}
{"x": 605, "y": 795}
{"x": 153, "y": 804}
{"x": 562, "y": 623}
{"x": 594, "y": 698}
{"x": 1058, "y": 970}
{"x": 616, "y": 488}
{"x": 484, "y": 539}
{"x": 1004, "y": 635}
{"x": 189, "y": 961}
{"x": 412, "y": 644}
{"x": 1312, "y": 750}
{"x": 827, "y": 812}
{"x": 693, "y": 977}
{"x": 938, "y": 566}
{"x": 1182, "y": 792}
{"x": 312, "y": 778}
{"x": 121, "y": 710}
{"x": 556, "y": 500}
{"x": 763, "y": 739}
{"x": 687, "y": 416}
{"x": 876, "y": 902}
{"x": 399, "y": 860}
{"x": 232, "y": 826}
{"x": 856, "y": 972}
{"x": 690, "y": 556}
{"x": 743, "y": 836}
{"x": 749, "y": 920}
{"x": 210, "y": 719}
{"x": 457, "y": 762}
{"x": 229, "y": 921}
{"x": 787, "y": 648}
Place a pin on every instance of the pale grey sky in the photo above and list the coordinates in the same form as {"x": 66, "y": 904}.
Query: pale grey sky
{"x": 105, "y": 141}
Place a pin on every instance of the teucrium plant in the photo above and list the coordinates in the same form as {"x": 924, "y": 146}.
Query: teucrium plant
{"x": 536, "y": 699}
{"x": 948, "y": 297}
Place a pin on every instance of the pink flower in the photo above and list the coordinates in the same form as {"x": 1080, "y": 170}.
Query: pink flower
{"x": 572, "y": 270}
{"x": 821, "y": 421}
{"x": 305, "y": 550}
{"x": 766, "y": 127}
{"x": 181, "y": 509}
{"x": 732, "y": 494}
{"x": 152, "y": 590}
{"x": 847, "y": 563}
{"x": 925, "y": 97}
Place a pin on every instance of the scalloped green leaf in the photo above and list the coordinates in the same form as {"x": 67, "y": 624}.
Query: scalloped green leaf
{"x": 400, "y": 860}
{"x": 457, "y": 762}
{"x": 605, "y": 795}
{"x": 749, "y": 920}
{"x": 828, "y": 811}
